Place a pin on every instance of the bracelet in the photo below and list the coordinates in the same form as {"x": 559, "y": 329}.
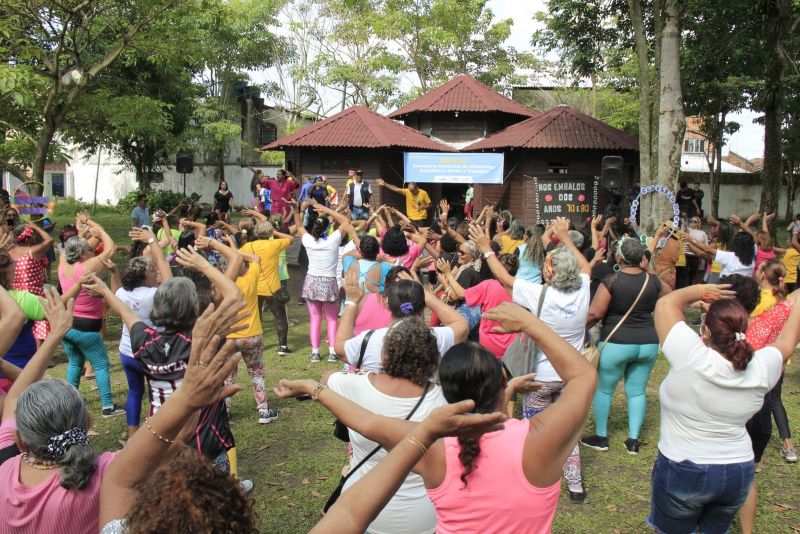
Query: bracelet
{"x": 156, "y": 434}
{"x": 418, "y": 443}
{"x": 317, "y": 391}
{"x": 350, "y": 303}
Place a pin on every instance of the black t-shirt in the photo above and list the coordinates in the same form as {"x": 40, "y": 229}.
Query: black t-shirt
{"x": 698, "y": 196}
{"x": 223, "y": 200}
{"x": 685, "y": 198}
{"x": 638, "y": 328}
{"x": 468, "y": 278}
{"x": 599, "y": 271}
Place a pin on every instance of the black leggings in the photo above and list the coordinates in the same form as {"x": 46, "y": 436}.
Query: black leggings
{"x": 778, "y": 411}
{"x": 279, "y": 312}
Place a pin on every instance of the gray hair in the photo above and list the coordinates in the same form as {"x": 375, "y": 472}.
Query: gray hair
{"x": 566, "y": 270}
{"x": 47, "y": 409}
{"x": 263, "y": 230}
{"x": 473, "y": 249}
{"x": 175, "y": 304}
{"x": 630, "y": 251}
{"x": 516, "y": 230}
{"x": 74, "y": 249}
{"x": 577, "y": 238}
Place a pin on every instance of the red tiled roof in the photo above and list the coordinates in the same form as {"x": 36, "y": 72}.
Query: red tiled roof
{"x": 358, "y": 127}
{"x": 464, "y": 93}
{"x": 560, "y": 127}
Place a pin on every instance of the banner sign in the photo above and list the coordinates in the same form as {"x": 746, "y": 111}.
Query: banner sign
{"x": 575, "y": 198}
{"x": 444, "y": 168}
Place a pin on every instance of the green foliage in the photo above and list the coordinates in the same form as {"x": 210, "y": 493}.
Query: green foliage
{"x": 156, "y": 199}
{"x": 273, "y": 158}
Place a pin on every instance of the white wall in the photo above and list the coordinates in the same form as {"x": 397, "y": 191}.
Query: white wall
{"x": 742, "y": 200}
{"x": 115, "y": 181}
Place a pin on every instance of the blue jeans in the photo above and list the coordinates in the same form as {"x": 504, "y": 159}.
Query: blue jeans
{"x": 359, "y": 212}
{"x": 686, "y": 496}
{"x": 135, "y": 378}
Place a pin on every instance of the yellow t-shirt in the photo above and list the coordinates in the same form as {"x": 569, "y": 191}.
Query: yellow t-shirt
{"x": 509, "y": 245}
{"x": 249, "y": 286}
{"x": 267, "y": 250}
{"x": 768, "y": 300}
{"x": 791, "y": 260}
{"x": 413, "y": 202}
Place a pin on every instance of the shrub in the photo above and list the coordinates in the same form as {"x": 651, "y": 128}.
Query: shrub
{"x": 156, "y": 199}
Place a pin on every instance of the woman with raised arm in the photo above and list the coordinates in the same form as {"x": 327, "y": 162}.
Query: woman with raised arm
{"x": 625, "y": 301}
{"x": 531, "y": 257}
{"x": 503, "y": 481}
{"x": 84, "y": 341}
{"x": 740, "y": 258}
{"x": 155, "y": 484}
{"x": 320, "y": 289}
{"x": 136, "y": 288}
{"x": 564, "y": 305}
{"x": 405, "y": 298}
{"x": 716, "y": 383}
{"x": 29, "y": 251}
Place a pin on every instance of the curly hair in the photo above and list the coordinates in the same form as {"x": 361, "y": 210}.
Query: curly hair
{"x": 510, "y": 262}
{"x": 567, "y": 270}
{"x": 469, "y": 371}
{"x": 410, "y": 351}
{"x": 534, "y": 248}
{"x": 201, "y": 498}
{"x": 135, "y": 273}
{"x": 744, "y": 248}
{"x": 369, "y": 247}
{"x": 263, "y": 230}
{"x": 394, "y": 242}
{"x": 6, "y": 269}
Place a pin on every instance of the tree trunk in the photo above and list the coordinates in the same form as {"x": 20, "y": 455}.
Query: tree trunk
{"x": 645, "y": 105}
{"x": 791, "y": 191}
{"x": 716, "y": 175}
{"x": 773, "y": 101}
{"x": 40, "y": 157}
{"x": 671, "y": 122}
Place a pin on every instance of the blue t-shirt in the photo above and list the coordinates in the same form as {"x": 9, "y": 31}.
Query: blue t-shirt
{"x": 266, "y": 198}
{"x": 364, "y": 267}
{"x": 140, "y": 215}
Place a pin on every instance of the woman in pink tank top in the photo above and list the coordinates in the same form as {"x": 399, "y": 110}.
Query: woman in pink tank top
{"x": 84, "y": 340}
{"x": 502, "y": 481}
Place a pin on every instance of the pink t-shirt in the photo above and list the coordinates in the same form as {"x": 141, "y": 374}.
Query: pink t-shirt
{"x": 762, "y": 256}
{"x": 498, "y": 497}
{"x": 372, "y": 315}
{"x": 86, "y": 306}
{"x": 490, "y": 294}
{"x": 47, "y": 507}
{"x": 280, "y": 193}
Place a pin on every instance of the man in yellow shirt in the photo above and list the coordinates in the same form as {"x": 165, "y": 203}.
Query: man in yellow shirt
{"x": 417, "y": 201}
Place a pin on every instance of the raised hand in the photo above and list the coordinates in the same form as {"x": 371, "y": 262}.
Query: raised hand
{"x": 561, "y": 228}
{"x": 481, "y": 238}
{"x": 93, "y": 285}
{"x": 596, "y": 221}
{"x": 352, "y": 288}
{"x": 220, "y": 321}
{"x": 456, "y": 420}
{"x": 209, "y": 366}
{"x": 141, "y": 234}
{"x": 380, "y": 182}
{"x": 287, "y": 389}
{"x": 443, "y": 267}
{"x": 714, "y": 292}
{"x": 189, "y": 258}
{"x": 203, "y": 242}
{"x": 524, "y": 384}
{"x": 512, "y": 317}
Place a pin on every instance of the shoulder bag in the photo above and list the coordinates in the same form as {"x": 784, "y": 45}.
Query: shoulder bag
{"x": 592, "y": 353}
{"x": 340, "y": 430}
{"x": 338, "y": 491}
{"x": 520, "y": 357}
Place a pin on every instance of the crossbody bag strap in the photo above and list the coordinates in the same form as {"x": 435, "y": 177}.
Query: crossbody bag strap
{"x": 635, "y": 302}
{"x": 379, "y": 447}
{"x": 538, "y": 315}
{"x": 364, "y": 343}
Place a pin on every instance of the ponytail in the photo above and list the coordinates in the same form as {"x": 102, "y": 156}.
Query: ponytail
{"x": 726, "y": 322}
{"x": 774, "y": 272}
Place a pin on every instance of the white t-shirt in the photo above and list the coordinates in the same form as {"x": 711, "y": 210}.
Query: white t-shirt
{"x": 731, "y": 264}
{"x": 323, "y": 254}
{"x": 410, "y": 511}
{"x": 564, "y": 313}
{"x": 445, "y": 338}
{"x": 140, "y": 301}
{"x": 705, "y": 402}
{"x": 343, "y": 250}
{"x": 699, "y": 236}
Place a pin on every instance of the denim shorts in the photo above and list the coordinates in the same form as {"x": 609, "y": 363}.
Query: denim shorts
{"x": 686, "y": 496}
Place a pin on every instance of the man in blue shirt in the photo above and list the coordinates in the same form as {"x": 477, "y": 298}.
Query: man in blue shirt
{"x": 139, "y": 215}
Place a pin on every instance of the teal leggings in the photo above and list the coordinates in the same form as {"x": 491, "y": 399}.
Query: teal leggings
{"x": 634, "y": 362}
{"x": 81, "y": 346}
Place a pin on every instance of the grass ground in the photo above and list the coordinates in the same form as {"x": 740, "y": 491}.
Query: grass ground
{"x": 295, "y": 462}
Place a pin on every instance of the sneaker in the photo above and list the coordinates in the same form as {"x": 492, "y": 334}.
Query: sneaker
{"x": 267, "y": 416}
{"x": 283, "y": 350}
{"x": 315, "y": 357}
{"x": 577, "y": 497}
{"x": 632, "y": 445}
{"x": 112, "y": 412}
{"x": 597, "y": 443}
{"x": 790, "y": 454}
{"x": 332, "y": 357}
{"x": 246, "y": 485}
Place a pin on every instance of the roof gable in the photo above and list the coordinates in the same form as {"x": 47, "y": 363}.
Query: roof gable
{"x": 464, "y": 93}
{"x": 560, "y": 127}
{"x": 358, "y": 127}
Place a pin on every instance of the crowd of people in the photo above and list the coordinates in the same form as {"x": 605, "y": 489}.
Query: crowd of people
{"x": 439, "y": 322}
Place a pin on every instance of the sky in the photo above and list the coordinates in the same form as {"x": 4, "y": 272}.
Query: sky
{"x": 747, "y": 142}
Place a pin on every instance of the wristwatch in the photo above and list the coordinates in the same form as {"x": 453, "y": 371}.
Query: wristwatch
{"x": 488, "y": 253}
{"x": 151, "y": 240}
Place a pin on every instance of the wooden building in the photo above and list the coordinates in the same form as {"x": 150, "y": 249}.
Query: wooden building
{"x": 548, "y": 156}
